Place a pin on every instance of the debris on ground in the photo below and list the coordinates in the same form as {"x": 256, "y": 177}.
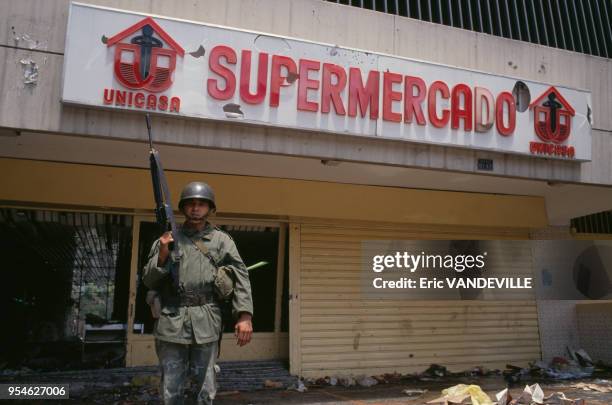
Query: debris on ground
{"x": 513, "y": 374}
{"x": 597, "y": 385}
{"x": 298, "y": 386}
{"x": 414, "y": 392}
{"x": 503, "y": 397}
{"x": 463, "y": 394}
{"x": 581, "y": 356}
{"x": 127, "y": 386}
{"x": 559, "y": 368}
{"x": 273, "y": 384}
{"x": 531, "y": 394}
{"x": 559, "y": 398}
{"x": 393, "y": 378}
{"x": 366, "y": 381}
{"x": 480, "y": 371}
{"x": 534, "y": 395}
{"x": 435, "y": 370}
{"x": 346, "y": 381}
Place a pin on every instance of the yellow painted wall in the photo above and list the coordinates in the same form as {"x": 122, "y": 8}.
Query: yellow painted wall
{"x": 38, "y": 182}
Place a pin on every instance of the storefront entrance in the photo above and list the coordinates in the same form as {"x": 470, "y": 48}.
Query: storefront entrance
{"x": 258, "y": 242}
{"x": 73, "y": 295}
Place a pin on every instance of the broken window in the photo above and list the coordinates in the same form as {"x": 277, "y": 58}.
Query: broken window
{"x": 65, "y": 286}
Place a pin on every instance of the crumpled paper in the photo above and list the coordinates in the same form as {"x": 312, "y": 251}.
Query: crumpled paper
{"x": 463, "y": 394}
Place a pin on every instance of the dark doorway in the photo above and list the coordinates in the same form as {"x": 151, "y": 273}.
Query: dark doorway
{"x": 256, "y": 244}
{"x": 65, "y": 288}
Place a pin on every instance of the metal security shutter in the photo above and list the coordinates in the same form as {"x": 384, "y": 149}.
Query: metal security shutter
{"x": 342, "y": 334}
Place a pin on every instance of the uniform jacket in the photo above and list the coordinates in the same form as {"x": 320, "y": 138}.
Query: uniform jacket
{"x": 197, "y": 324}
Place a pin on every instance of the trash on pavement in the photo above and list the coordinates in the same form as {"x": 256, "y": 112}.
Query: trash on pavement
{"x": 366, "y": 381}
{"x": 436, "y": 370}
{"x": 298, "y": 386}
{"x": 414, "y": 392}
{"x": 594, "y": 387}
{"x": 559, "y": 398}
{"x": 272, "y": 384}
{"x": 463, "y": 394}
{"x": 531, "y": 394}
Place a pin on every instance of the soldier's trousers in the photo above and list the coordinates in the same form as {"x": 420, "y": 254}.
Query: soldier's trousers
{"x": 177, "y": 361}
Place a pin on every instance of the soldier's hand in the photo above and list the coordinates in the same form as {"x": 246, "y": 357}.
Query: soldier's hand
{"x": 164, "y": 241}
{"x": 243, "y": 329}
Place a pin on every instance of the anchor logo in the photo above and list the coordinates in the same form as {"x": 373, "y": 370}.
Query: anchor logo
{"x": 552, "y": 116}
{"x": 144, "y": 62}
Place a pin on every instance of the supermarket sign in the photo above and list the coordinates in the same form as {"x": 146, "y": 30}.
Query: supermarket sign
{"x": 123, "y": 60}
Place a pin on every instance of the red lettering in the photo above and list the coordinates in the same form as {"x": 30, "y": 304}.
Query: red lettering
{"x": 389, "y": 96}
{"x": 163, "y": 103}
{"x": 505, "y": 98}
{"x": 306, "y": 84}
{"x": 363, "y": 96}
{"x": 214, "y": 62}
{"x": 459, "y": 113}
{"x": 245, "y": 78}
{"x": 151, "y": 102}
{"x": 108, "y": 96}
{"x": 175, "y": 104}
{"x": 139, "y": 100}
{"x": 331, "y": 92}
{"x": 442, "y": 88}
{"x": 413, "y": 102}
{"x": 483, "y": 98}
{"x": 120, "y": 97}
{"x": 277, "y": 80}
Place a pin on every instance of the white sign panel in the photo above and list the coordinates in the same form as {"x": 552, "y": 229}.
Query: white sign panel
{"x": 129, "y": 61}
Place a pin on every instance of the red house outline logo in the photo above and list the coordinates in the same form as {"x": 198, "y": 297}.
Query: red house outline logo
{"x": 144, "y": 71}
{"x": 552, "y": 117}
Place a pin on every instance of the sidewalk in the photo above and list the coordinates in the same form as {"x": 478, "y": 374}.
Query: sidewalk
{"x": 387, "y": 394}
{"x": 140, "y": 386}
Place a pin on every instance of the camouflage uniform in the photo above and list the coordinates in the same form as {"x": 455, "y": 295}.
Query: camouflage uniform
{"x": 187, "y": 333}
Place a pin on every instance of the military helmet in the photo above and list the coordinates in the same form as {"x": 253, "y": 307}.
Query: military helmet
{"x": 200, "y": 190}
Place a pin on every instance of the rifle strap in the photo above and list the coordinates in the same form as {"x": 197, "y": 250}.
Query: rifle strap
{"x": 201, "y": 247}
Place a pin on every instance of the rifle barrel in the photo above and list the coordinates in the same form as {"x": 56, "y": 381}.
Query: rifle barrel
{"x": 148, "y": 119}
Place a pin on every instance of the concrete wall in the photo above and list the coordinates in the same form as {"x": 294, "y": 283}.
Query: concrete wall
{"x": 35, "y": 29}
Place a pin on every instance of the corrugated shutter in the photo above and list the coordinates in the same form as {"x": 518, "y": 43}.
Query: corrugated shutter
{"x": 340, "y": 333}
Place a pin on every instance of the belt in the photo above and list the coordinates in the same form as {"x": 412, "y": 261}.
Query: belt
{"x": 194, "y": 300}
{"x": 188, "y": 299}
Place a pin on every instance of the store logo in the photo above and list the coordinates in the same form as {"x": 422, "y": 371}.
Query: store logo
{"x": 552, "y": 116}
{"x": 145, "y": 56}
{"x": 553, "y": 123}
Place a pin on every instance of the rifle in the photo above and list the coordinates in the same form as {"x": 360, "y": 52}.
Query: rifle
{"x": 163, "y": 205}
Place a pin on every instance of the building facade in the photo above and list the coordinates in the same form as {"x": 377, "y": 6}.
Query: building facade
{"x": 299, "y": 188}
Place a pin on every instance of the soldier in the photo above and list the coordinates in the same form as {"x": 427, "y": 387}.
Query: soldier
{"x": 189, "y": 326}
